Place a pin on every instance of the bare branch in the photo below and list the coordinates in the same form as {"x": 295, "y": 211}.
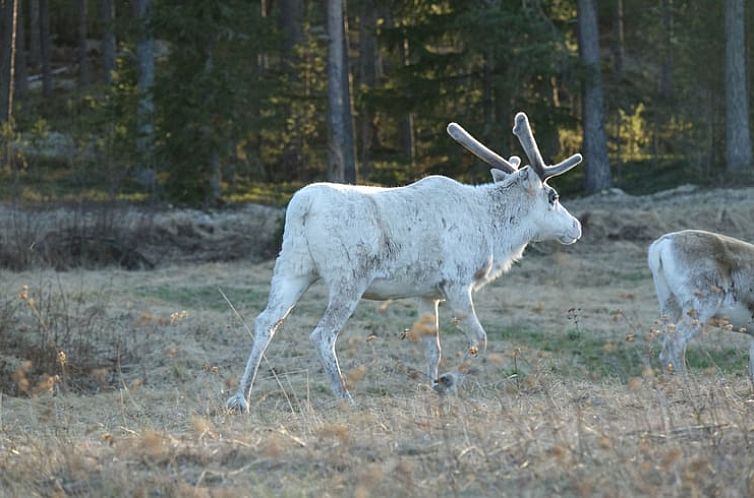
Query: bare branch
{"x": 478, "y": 149}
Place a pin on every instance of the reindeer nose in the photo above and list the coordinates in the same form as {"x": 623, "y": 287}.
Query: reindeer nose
{"x": 573, "y": 234}
{"x": 577, "y": 228}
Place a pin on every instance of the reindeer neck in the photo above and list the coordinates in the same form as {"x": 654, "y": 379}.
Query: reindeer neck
{"x": 508, "y": 214}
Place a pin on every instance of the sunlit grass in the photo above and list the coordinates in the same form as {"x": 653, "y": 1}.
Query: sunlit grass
{"x": 260, "y": 193}
{"x": 201, "y": 297}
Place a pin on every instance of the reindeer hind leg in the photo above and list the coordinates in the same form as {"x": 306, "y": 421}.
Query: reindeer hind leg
{"x": 284, "y": 293}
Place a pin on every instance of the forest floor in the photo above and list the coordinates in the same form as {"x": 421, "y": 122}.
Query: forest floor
{"x": 113, "y": 382}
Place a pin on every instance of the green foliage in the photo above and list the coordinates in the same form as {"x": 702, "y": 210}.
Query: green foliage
{"x": 477, "y": 63}
{"x": 237, "y": 111}
{"x": 632, "y": 133}
{"x": 203, "y": 93}
{"x": 294, "y": 139}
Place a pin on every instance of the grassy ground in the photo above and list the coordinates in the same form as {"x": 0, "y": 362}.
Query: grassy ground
{"x": 568, "y": 400}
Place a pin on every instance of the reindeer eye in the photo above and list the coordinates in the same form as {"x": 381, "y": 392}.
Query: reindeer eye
{"x": 552, "y": 196}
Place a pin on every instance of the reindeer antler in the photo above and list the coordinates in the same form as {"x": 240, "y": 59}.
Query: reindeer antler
{"x": 523, "y": 131}
{"x": 481, "y": 151}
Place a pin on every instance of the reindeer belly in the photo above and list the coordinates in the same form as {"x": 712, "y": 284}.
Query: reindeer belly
{"x": 398, "y": 288}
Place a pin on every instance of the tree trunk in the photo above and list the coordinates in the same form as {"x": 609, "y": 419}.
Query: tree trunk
{"x": 144, "y": 84}
{"x": 291, "y": 24}
{"x": 737, "y": 129}
{"x": 618, "y": 41}
{"x": 368, "y": 64}
{"x": 488, "y": 103}
{"x": 618, "y": 49}
{"x": 265, "y": 7}
{"x": 34, "y": 39}
{"x": 215, "y": 179}
{"x": 108, "y": 40}
{"x": 666, "y": 64}
{"x": 341, "y": 167}
{"x": 408, "y": 137}
{"x": 350, "y": 149}
{"x": 214, "y": 194}
{"x": 45, "y": 47}
{"x": 597, "y": 173}
{"x": 22, "y": 71}
{"x": 84, "y": 76}
{"x": 7, "y": 58}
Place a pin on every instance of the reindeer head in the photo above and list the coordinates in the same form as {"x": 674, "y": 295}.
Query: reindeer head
{"x": 548, "y": 218}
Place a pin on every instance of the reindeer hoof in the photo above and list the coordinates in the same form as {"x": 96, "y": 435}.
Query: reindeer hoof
{"x": 447, "y": 383}
{"x": 237, "y": 403}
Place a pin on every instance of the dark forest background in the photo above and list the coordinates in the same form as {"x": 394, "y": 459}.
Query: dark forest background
{"x": 205, "y": 102}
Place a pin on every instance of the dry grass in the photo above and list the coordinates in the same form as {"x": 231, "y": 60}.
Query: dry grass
{"x": 132, "y": 237}
{"x": 566, "y": 401}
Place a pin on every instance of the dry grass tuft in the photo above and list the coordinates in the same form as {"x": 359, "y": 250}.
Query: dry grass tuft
{"x": 424, "y": 326}
{"x": 152, "y": 446}
{"x": 339, "y": 432}
{"x": 58, "y": 338}
{"x": 273, "y": 446}
{"x": 355, "y": 375}
{"x": 202, "y": 426}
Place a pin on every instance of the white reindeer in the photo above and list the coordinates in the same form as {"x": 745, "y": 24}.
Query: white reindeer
{"x": 701, "y": 277}
{"x": 433, "y": 240}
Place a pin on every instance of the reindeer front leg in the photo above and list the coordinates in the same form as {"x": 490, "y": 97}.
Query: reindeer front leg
{"x": 427, "y": 308}
{"x": 459, "y": 299}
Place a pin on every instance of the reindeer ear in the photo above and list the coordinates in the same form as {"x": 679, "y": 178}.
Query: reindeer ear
{"x": 498, "y": 175}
